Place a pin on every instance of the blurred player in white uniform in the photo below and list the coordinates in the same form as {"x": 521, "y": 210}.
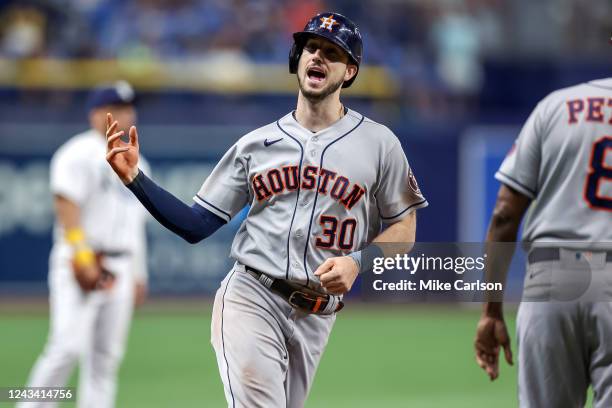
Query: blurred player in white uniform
{"x": 97, "y": 267}
{"x": 561, "y": 168}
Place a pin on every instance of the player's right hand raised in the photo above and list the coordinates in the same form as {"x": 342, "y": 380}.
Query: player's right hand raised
{"x": 122, "y": 156}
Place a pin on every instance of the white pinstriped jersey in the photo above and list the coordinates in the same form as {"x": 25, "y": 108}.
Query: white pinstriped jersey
{"x": 311, "y": 195}
{"x": 562, "y": 159}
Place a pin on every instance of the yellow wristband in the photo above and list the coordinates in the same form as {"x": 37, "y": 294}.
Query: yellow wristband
{"x": 84, "y": 257}
{"x": 75, "y": 236}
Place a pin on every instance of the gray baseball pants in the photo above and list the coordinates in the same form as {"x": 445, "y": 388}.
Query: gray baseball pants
{"x": 267, "y": 351}
{"x": 565, "y": 334}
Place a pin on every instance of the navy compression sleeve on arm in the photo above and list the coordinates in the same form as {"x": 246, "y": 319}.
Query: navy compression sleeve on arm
{"x": 191, "y": 223}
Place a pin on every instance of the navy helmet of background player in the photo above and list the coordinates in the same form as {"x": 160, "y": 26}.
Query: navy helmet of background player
{"x": 320, "y": 183}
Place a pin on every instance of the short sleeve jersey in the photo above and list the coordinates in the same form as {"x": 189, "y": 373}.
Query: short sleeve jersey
{"x": 562, "y": 159}
{"x": 311, "y": 195}
{"x": 112, "y": 218}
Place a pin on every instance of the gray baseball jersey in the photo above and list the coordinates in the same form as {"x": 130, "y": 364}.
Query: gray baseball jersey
{"x": 563, "y": 160}
{"x": 311, "y": 195}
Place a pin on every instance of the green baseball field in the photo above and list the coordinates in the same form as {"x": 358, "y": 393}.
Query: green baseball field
{"x": 376, "y": 357}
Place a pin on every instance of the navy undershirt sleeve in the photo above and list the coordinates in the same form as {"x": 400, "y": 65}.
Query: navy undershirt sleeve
{"x": 191, "y": 223}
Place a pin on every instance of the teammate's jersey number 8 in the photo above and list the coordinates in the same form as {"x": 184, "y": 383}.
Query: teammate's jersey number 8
{"x": 336, "y": 234}
{"x": 598, "y": 172}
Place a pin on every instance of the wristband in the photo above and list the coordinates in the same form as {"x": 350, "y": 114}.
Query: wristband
{"x": 83, "y": 255}
{"x": 74, "y": 236}
{"x": 357, "y": 258}
{"x": 365, "y": 257}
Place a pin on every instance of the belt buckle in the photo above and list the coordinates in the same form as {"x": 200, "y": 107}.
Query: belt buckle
{"x": 316, "y": 308}
{"x": 291, "y": 301}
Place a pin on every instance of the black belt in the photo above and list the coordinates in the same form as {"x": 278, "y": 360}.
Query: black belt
{"x": 299, "y": 296}
{"x": 553, "y": 254}
{"x": 113, "y": 254}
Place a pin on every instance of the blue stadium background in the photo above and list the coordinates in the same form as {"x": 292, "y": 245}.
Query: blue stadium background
{"x": 191, "y": 114}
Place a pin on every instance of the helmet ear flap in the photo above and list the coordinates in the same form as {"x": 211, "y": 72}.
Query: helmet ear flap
{"x": 294, "y": 57}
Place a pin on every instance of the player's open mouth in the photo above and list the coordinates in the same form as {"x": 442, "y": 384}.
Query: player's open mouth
{"x": 315, "y": 74}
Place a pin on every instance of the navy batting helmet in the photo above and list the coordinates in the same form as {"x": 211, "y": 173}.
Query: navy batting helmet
{"x": 335, "y": 28}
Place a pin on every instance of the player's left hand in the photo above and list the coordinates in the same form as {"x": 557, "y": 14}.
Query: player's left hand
{"x": 338, "y": 274}
{"x": 491, "y": 335}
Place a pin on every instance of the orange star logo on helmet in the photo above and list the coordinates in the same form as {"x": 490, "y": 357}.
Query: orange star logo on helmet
{"x": 328, "y": 22}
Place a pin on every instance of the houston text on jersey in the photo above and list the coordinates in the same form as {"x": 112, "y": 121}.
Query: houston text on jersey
{"x": 278, "y": 180}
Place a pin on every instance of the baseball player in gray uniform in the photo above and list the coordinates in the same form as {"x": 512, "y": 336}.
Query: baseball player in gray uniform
{"x": 561, "y": 169}
{"x": 320, "y": 182}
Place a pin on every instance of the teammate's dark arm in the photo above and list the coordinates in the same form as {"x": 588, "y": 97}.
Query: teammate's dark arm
{"x": 191, "y": 223}
{"x": 491, "y": 333}
{"x": 503, "y": 227}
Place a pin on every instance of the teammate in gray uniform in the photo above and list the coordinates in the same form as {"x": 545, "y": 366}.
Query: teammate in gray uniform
{"x": 320, "y": 182}
{"x": 560, "y": 167}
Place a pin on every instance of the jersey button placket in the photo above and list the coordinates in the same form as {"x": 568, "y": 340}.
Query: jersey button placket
{"x": 312, "y": 145}
{"x": 306, "y": 198}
